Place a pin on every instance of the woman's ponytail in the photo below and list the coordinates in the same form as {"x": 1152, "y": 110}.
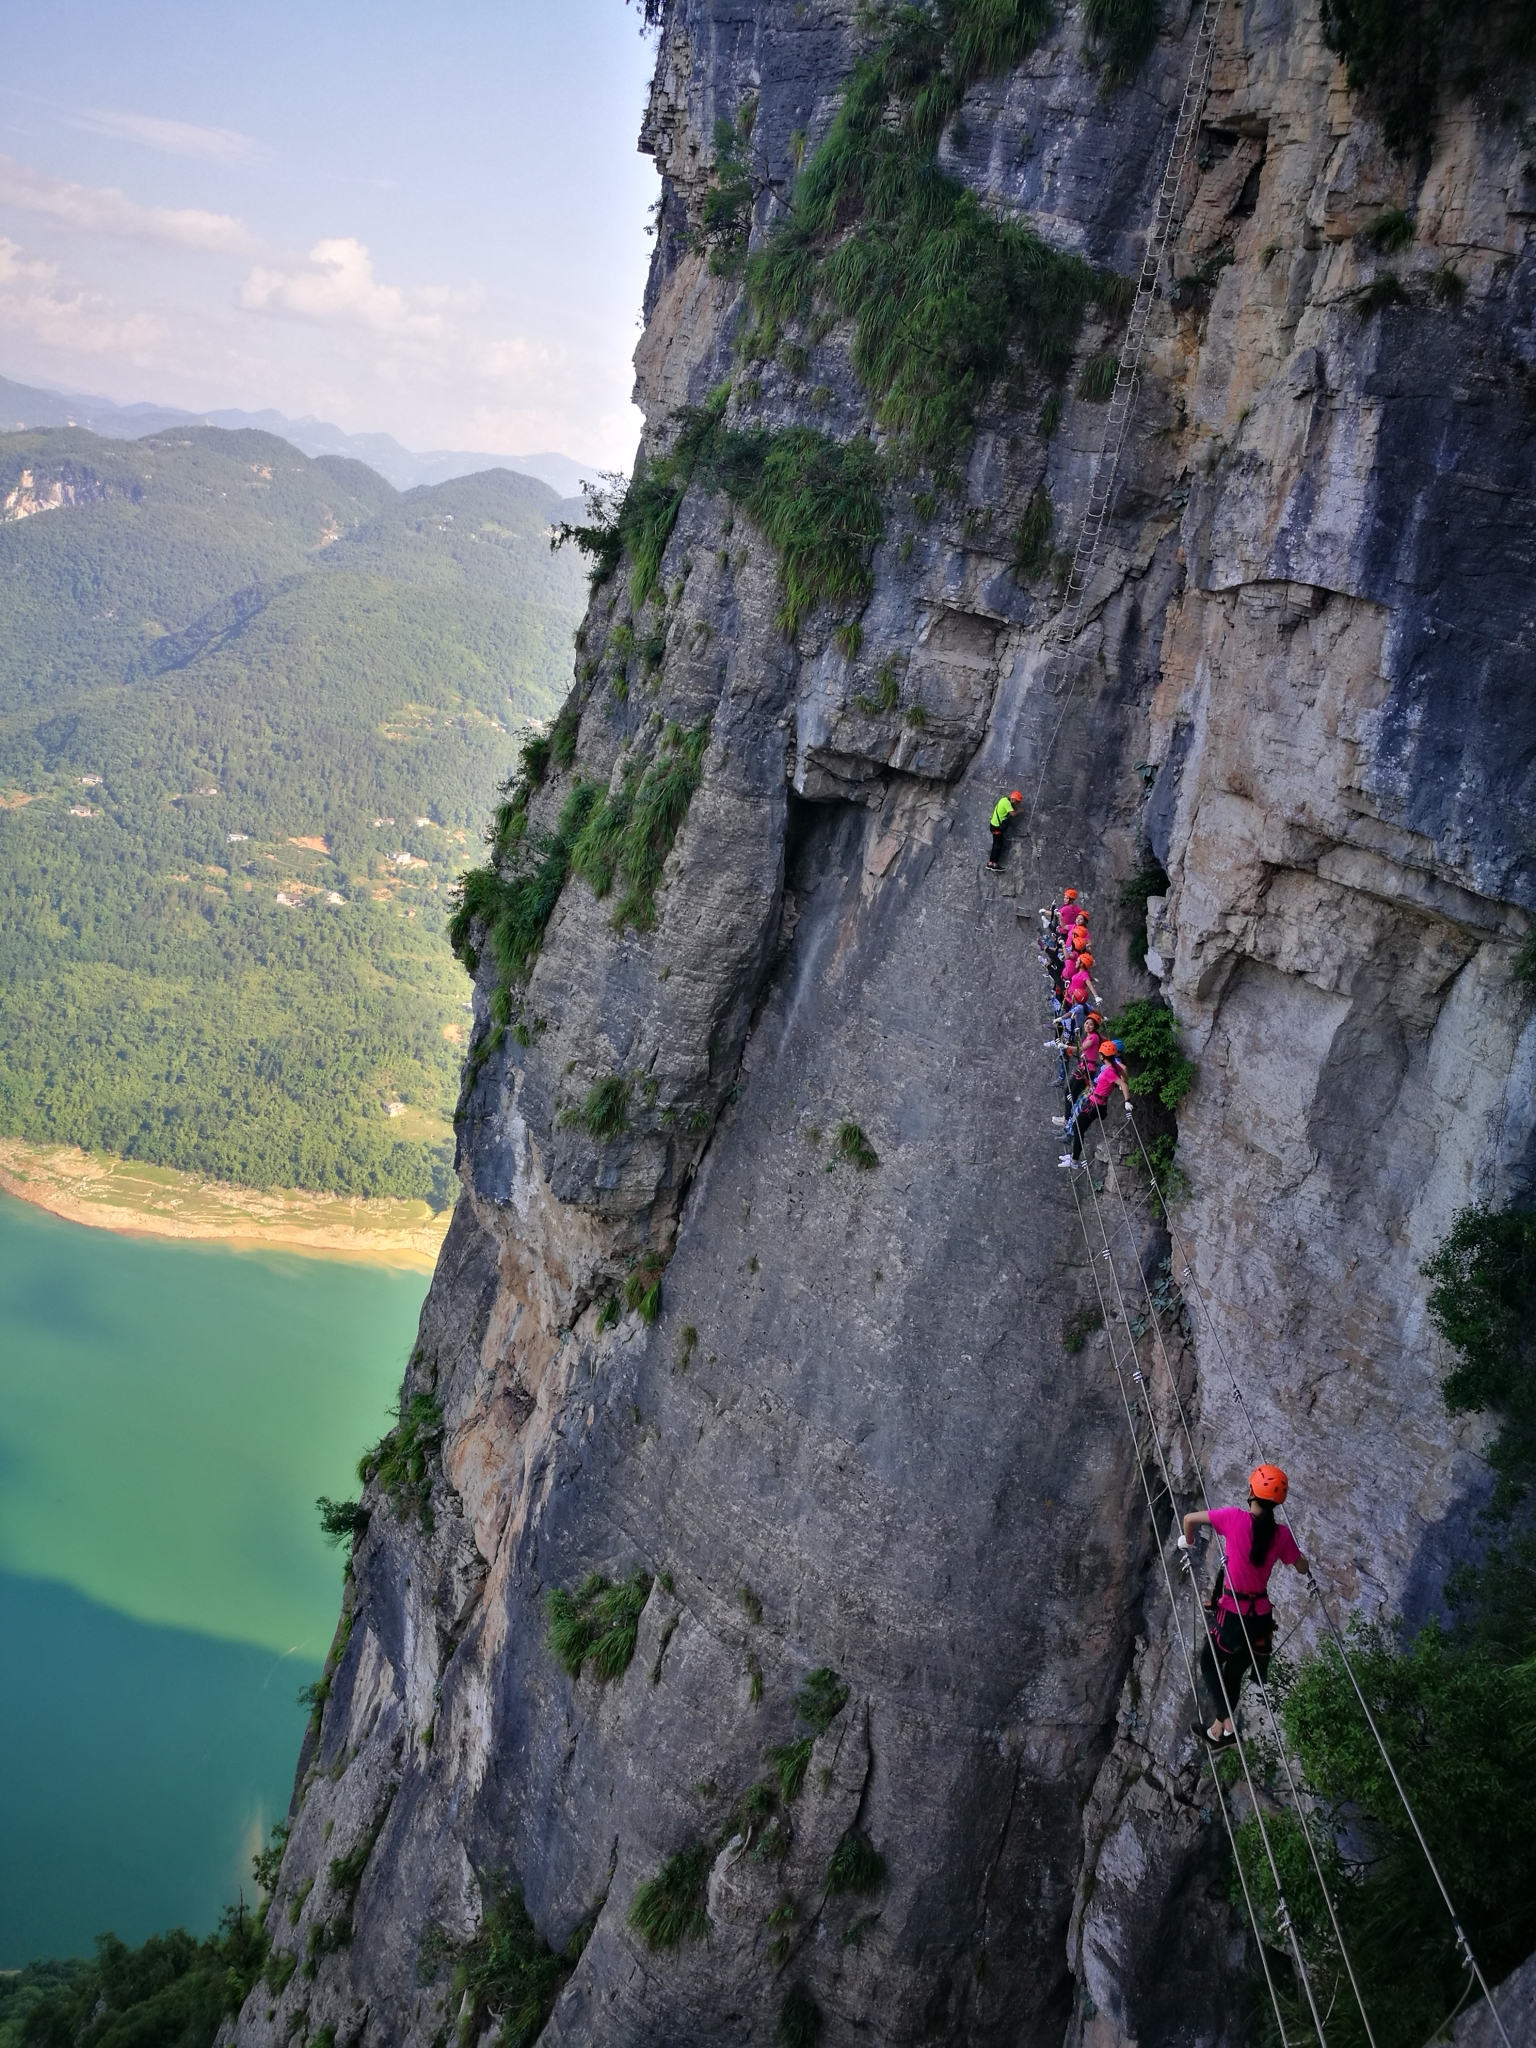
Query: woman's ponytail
{"x": 1263, "y": 1536}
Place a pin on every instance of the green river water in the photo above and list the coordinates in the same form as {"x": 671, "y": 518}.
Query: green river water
{"x": 168, "y": 1414}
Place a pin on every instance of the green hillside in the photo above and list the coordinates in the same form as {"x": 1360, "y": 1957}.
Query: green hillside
{"x": 252, "y": 650}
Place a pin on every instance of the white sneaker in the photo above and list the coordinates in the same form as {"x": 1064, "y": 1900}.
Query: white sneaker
{"x": 1060, "y": 1122}
{"x": 1066, "y": 1160}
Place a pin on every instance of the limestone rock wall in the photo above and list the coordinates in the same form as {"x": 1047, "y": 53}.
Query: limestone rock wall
{"x": 856, "y": 1436}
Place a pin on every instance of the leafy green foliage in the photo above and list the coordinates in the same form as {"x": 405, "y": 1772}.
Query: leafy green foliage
{"x": 1459, "y": 1727}
{"x": 1120, "y": 35}
{"x": 1483, "y": 1302}
{"x": 816, "y": 500}
{"x": 173, "y": 1992}
{"x": 856, "y": 1865}
{"x": 887, "y": 693}
{"x": 347, "y": 1871}
{"x": 22, "y": 1991}
{"x": 1396, "y": 52}
{"x": 791, "y": 1760}
{"x": 945, "y": 296}
{"x": 266, "y": 1863}
{"x": 1161, "y": 1077}
{"x": 1390, "y": 231}
{"x": 509, "y": 1973}
{"x": 730, "y": 194}
{"x": 1097, "y": 378}
{"x": 403, "y": 1461}
{"x": 316, "y": 657}
{"x": 800, "y": 2021}
{"x": 515, "y": 908}
{"x": 1149, "y": 1031}
{"x": 1079, "y": 1327}
{"x": 634, "y": 828}
{"x": 821, "y": 1699}
{"x": 852, "y": 1148}
{"x": 1032, "y": 536}
{"x": 341, "y": 1521}
{"x": 669, "y": 1908}
{"x": 598, "y": 1624}
{"x": 642, "y": 1286}
{"x": 604, "y": 1111}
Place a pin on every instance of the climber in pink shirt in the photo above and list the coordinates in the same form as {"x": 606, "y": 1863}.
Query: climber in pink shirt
{"x": 1091, "y": 1103}
{"x": 1076, "y": 986}
{"x": 1242, "y": 1624}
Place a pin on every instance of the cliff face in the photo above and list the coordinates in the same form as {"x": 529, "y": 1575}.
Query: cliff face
{"x": 855, "y": 1436}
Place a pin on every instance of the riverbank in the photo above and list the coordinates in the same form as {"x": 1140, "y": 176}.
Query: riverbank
{"x": 132, "y": 1199}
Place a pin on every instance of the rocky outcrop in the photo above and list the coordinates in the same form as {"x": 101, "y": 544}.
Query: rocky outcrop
{"x": 856, "y": 1436}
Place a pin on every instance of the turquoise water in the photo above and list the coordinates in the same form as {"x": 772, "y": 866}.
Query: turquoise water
{"x": 168, "y": 1413}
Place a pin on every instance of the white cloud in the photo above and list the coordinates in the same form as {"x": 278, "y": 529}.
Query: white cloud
{"x": 103, "y": 210}
{"x": 336, "y": 286}
{"x": 172, "y": 138}
{"x": 78, "y": 322}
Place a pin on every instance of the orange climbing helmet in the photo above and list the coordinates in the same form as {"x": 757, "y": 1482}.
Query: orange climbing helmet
{"x": 1085, "y": 959}
{"x": 1015, "y": 796}
{"x": 1268, "y": 1482}
{"x": 1069, "y": 895}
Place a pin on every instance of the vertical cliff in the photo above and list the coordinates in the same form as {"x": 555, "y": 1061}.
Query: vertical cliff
{"x": 788, "y": 1066}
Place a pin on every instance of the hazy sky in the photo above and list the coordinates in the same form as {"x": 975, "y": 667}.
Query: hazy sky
{"x": 427, "y": 219}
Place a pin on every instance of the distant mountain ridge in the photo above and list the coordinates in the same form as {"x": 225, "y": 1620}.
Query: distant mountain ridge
{"x": 29, "y": 406}
{"x": 254, "y": 706}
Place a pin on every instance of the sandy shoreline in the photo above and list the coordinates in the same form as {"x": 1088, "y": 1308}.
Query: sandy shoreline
{"x": 134, "y": 1200}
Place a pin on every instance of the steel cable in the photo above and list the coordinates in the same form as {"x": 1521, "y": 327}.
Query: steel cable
{"x": 1187, "y": 1273}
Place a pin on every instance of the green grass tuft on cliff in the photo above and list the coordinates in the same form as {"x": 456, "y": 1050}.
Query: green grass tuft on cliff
{"x": 817, "y": 500}
{"x": 598, "y": 1624}
{"x": 1120, "y": 35}
{"x": 670, "y": 1908}
{"x": 404, "y": 1461}
{"x": 945, "y": 296}
{"x": 508, "y": 1973}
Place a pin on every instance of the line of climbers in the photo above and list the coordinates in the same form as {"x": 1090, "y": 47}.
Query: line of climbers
{"x": 1240, "y": 1629}
{"x": 1089, "y": 1066}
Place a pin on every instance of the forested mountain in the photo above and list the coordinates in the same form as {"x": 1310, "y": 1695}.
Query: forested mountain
{"x": 252, "y": 708}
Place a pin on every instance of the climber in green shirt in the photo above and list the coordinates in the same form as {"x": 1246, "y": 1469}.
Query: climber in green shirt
{"x": 1002, "y": 811}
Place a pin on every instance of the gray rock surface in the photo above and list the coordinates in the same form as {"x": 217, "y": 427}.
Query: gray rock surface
{"x": 856, "y": 1435}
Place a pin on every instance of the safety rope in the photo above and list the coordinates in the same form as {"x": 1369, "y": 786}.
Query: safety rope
{"x": 1283, "y": 1913}
{"x": 1188, "y": 1275}
{"x": 1276, "y": 1731}
{"x": 1106, "y": 469}
{"x": 1069, "y": 625}
{"x": 1189, "y": 1669}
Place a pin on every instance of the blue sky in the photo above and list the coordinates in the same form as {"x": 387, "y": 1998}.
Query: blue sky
{"x": 423, "y": 219}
